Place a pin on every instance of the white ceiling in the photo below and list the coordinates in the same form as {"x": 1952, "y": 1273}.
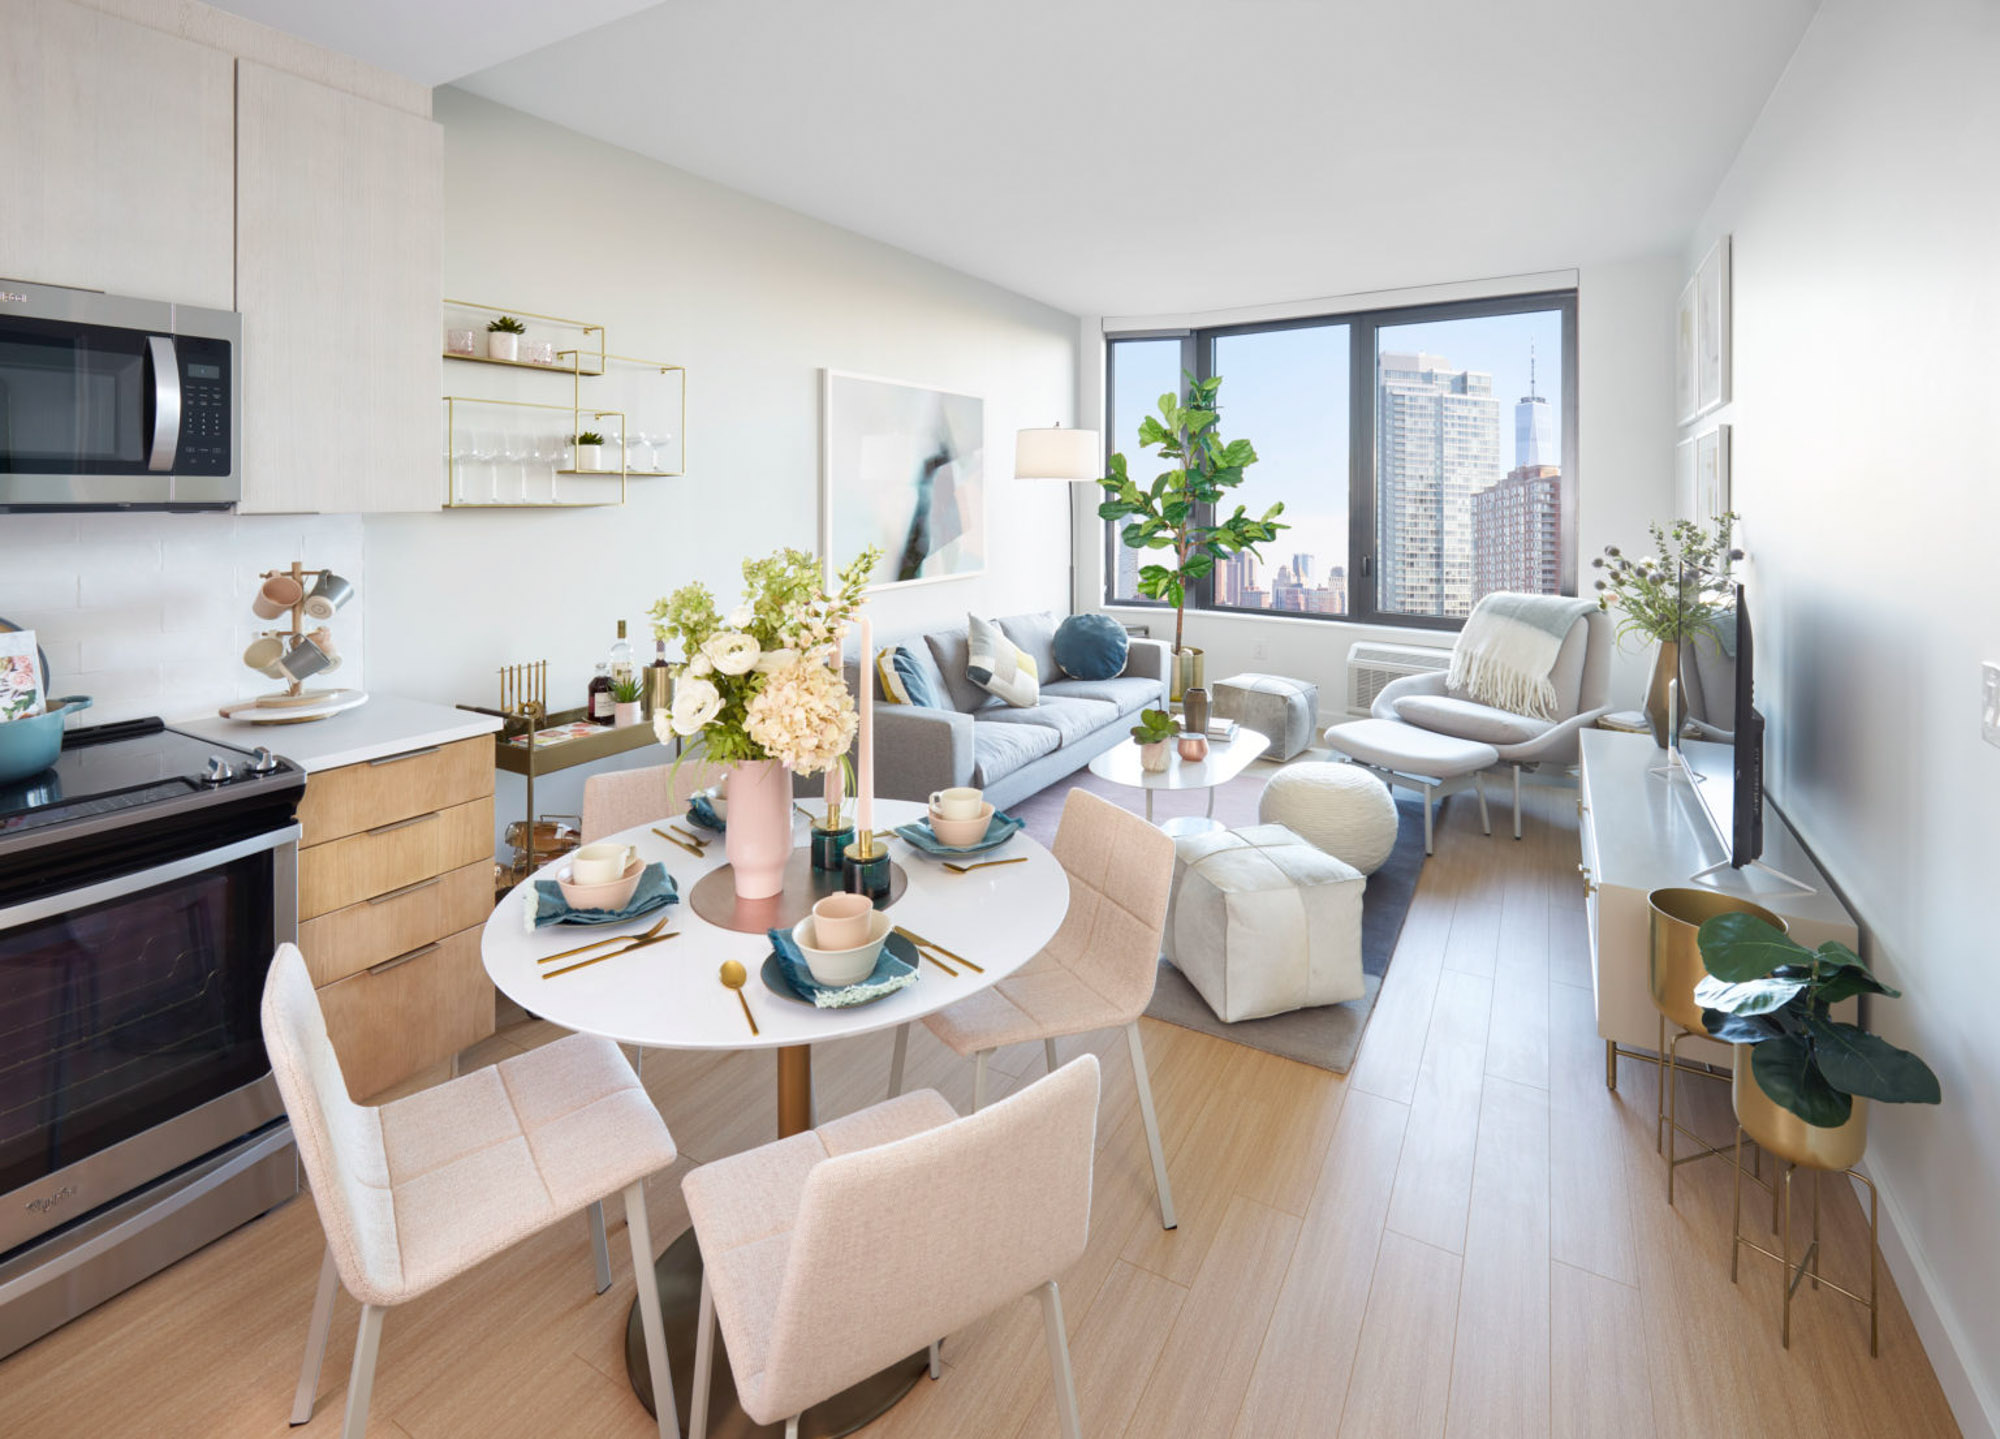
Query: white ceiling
{"x": 1133, "y": 157}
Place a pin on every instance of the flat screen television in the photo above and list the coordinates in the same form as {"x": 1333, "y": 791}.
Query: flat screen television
{"x": 1746, "y": 840}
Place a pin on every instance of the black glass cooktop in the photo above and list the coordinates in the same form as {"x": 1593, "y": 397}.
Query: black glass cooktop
{"x": 136, "y": 765}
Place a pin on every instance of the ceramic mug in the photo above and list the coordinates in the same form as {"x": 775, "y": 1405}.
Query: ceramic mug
{"x": 600, "y": 863}
{"x": 263, "y": 656}
{"x": 329, "y": 593}
{"x": 304, "y": 660}
{"x": 841, "y": 921}
{"x": 276, "y": 595}
{"x": 961, "y": 802}
{"x": 323, "y": 637}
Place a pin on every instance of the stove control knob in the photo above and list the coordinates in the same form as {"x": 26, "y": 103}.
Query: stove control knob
{"x": 262, "y": 761}
{"x": 216, "y": 771}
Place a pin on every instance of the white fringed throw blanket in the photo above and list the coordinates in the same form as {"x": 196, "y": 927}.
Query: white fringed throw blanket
{"x": 1508, "y": 647}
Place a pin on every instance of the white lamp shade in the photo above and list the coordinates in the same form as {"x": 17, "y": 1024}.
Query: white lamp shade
{"x": 1058, "y": 454}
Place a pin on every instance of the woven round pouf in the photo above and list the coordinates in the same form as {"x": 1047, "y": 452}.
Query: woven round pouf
{"x": 1339, "y": 808}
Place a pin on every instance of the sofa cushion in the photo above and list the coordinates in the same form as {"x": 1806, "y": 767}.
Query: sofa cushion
{"x": 1127, "y": 693}
{"x": 1035, "y": 636}
{"x": 997, "y": 665}
{"x": 951, "y": 652}
{"x": 905, "y": 678}
{"x": 1091, "y": 647}
{"x": 1071, "y": 719}
{"x": 1000, "y": 749}
{"x": 1468, "y": 719}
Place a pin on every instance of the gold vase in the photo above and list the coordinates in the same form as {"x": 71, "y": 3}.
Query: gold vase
{"x": 1675, "y": 965}
{"x": 1780, "y": 1132}
{"x": 1184, "y": 673}
{"x": 1666, "y": 667}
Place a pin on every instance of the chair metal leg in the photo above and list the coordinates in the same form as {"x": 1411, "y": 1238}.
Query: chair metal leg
{"x": 1065, "y": 1380}
{"x": 896, "y": 1058}
{"x": 792, "y": 1427}
{"x": 1517, "y": 801}
{"x": 1152, "y": 1123}
{"x": 361, "y": 1379}
{"x": 979, "y": 1080}
{"x": 649, "y": 1309}
{"x": 316, "y": 1332}
{"x": 600, "y": 1246}
{"x": 1430, "y": 846}
{"x": 1049, "y": 1053}
{"x": 1485, "y": 820}
{"x": 704, "y": 1363}
{"x": 937, "y": 1359}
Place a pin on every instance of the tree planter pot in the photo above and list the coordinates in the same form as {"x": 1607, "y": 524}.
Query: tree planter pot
{"x": 502, "y": 346}
{"x": 1780, "y": 1132}
{"x": 1155, "y": 757}
{"x": 1185, "y": 673}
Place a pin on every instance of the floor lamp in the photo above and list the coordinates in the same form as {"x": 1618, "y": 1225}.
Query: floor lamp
{"x": 1074, "y": 456}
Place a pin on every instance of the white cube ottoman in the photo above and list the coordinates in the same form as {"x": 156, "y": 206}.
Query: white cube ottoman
{"x": 1263, "y": 923}
{"x": 1282, "y": 710}
{"x": 1341, "y": 808}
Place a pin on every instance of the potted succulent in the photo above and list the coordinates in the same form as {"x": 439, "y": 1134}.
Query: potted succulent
{"x": 1155, "y": 735}
{"x": 625, "y": 695}
{"x": 1670, "y": 598}
{"x": 589, "y": 450}
{"x": 1178, "y": 511}
{"x": 1803, "y": 1078}
{"x": 503, "y": 338}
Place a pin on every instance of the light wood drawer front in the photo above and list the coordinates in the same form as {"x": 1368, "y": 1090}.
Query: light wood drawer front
{"x": 359, "y": 797}
{"x": 386, "y": 925}
{"x": 360, "y": 866}
{"x": 409, "y": 1012}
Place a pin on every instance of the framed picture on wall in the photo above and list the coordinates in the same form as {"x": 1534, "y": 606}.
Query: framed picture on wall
{"x": 1711, "y": 476}
{"x": 902, "y": 466}
{"x": 1712, "y": 319}
{"x": 1687, "y": 504}
{"x": 1686, "y": 399}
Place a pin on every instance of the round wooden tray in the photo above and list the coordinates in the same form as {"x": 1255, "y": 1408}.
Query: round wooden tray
{"x": 714, "y": 898}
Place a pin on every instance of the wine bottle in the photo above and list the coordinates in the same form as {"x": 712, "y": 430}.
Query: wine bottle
{"x": 600, "y": 707}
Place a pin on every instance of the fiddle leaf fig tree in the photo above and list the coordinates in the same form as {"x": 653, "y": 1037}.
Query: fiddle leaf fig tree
{"x": 1178, "y": 514}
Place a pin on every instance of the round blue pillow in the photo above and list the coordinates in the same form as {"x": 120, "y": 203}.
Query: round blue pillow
{"x": 1091, "y": 647}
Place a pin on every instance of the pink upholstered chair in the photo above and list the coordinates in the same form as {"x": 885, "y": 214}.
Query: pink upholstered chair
{"x": 420, "y": 1190}
{"x": 831, "y": 1255}
{"x": 1097, "y": 973}
{"x": 626, "y": 797}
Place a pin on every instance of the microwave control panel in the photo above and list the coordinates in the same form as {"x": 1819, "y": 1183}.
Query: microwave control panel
{"x": 205, "y": 439}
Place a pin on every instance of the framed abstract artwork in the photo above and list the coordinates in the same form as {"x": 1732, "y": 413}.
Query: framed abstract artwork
{"x": 1712, "y": 321}
{"x": 1711, "y": 476}
{"x": 902, "y": 467}
{"x": 1686, "y": 402}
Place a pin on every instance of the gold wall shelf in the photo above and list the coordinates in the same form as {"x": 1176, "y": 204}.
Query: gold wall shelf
{"x": 579, "y": 351}
{"x": 458, "y": 456}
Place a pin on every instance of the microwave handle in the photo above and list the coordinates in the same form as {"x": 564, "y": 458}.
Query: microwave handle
{"x": 165, "y": 363}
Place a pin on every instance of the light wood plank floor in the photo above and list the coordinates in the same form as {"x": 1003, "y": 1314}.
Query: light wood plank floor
{"x": 1468, "y": 1235}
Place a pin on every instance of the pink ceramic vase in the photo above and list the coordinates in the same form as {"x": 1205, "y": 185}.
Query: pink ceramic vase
{"x": 758, "y": 837}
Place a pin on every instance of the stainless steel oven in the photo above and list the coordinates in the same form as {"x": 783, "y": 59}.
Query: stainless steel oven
{"x": 115, "y": 403}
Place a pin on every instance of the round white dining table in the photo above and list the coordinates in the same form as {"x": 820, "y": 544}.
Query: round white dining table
{"x": 670, "y": 996}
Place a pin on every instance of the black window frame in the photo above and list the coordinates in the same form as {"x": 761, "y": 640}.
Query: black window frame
{"x": 1363, "y": 330}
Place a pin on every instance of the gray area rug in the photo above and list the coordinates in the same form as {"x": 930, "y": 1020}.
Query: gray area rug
{"x": 1326, "y": 1037}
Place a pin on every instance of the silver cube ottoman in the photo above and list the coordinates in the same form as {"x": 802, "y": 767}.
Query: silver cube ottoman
{"x": 1284, "y": 711}
{"x": 1261, "y": 922}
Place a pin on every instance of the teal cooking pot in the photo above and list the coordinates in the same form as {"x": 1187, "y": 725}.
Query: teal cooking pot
{"x": 29, "y": 746}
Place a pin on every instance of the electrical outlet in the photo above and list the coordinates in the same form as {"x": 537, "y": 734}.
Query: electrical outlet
{"x": 1989, "y": 702}
{"x": 1261, "y": 651}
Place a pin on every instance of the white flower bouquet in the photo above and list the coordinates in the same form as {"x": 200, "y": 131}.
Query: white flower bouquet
{"x": 763, "y": 681}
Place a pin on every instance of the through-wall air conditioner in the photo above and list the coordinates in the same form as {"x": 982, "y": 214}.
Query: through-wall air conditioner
{"x": 1371, "y": 666}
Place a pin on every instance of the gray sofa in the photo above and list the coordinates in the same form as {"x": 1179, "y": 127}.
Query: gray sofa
{"x": 980, "y": 740}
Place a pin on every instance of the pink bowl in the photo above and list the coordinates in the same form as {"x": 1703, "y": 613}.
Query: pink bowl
{"x": 959, "y": 833}
{"x": 612, "y": 894}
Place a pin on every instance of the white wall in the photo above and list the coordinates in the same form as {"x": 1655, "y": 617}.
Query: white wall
{"x": 1864, "y": 214}
{"x": 754, "y": 300}
{"x": 1625, "y": 439}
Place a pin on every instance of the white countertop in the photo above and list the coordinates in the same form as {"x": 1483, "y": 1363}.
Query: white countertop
{"x": 386, "y": 725}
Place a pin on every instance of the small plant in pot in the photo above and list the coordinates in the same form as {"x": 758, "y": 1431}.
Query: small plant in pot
{"x": 1155, "y": 733}
{"x": 503, "y": 338}
{"x": 625, "y": 694}
{"x": 589, "y": 450}
{"x": 1800, "y": 1072}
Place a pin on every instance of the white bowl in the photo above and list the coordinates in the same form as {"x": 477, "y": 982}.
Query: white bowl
{"x": 837, "y": 968}
{"x": 612, "y": 894}
{"x": 961, "y": 833}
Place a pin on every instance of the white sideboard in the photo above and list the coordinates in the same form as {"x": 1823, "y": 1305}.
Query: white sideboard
{"x": 1642, "y": 832}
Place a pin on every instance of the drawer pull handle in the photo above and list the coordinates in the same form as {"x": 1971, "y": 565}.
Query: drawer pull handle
{"x": 407, "y": 754}
{"x": 403, "y": 823}
{"x": 402, "y": 959}
{"x": 406, "y": 889}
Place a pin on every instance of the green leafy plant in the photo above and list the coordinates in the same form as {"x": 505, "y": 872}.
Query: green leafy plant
{"x": 506, "y": 325}
{"x": 1678, "y": 591}
{"x": 1177, "y": 511}
{"x": 626, "y": 691}
{"x": 588, "y": 437}
{"x": 1154, "y": 727}
{"x": 1766, "y": 989}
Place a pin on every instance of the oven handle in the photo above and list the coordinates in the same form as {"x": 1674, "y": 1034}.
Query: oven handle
{"x": 74, "y": 899}
{"x": 165, "y": 362}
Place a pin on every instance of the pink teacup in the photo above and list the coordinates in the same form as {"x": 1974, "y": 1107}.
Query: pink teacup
{"x": 841, "y": 921}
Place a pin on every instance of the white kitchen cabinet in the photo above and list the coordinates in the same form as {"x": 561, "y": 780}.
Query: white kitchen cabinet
{"x": 117, "y": 150}
{"x": 339, "y": 214}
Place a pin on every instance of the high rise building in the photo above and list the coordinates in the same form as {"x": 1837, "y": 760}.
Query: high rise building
{"x": 1302, "y": 569}
{"x": 1517, "y": 524}
{"x": 1437, "y": 442}
{"x": 1235, "y": 576}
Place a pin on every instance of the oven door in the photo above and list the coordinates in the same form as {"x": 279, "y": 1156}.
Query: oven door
{"x": 130, "y": 1039}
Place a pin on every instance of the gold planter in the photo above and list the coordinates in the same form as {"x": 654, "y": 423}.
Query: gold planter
{"x": 1676, "y": 965}
{"x": 1184, "y": 672}
{"x": 1779, "y": 1131}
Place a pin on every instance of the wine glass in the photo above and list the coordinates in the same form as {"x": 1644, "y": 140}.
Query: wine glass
{"x": 638, "y": 454}
{"x": 486, "y": 451}
{"x": 514, "y": 449}
{"x": 548, "y": 448}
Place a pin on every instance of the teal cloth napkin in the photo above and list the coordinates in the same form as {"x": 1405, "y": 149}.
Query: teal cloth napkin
{"x": 891, "y": 973}
{"x": 999, "y": 829}
{"x": 546, "y": 905}
{"x": 703, "y": 813}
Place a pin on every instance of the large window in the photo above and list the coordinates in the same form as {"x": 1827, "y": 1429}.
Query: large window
{"x": 1421, "y": 455}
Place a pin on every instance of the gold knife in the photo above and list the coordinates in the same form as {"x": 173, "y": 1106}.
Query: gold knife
{"x": 922, "y": 943}
{"x": 670, "y": 839}
{"x": 609, "y": 954}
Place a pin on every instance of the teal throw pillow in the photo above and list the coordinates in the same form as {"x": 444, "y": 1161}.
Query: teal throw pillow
{"x": 1091, "y": 647}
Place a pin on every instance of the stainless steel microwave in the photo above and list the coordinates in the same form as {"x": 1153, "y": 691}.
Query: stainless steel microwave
{"x": 115, "y": 403}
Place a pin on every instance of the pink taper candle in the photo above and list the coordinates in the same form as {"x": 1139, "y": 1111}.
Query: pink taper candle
{"x": 864, "y": 787}
{"x": 834, "y": 793}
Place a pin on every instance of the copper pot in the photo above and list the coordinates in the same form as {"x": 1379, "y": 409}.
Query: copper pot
{"x": 1194, "y": 748}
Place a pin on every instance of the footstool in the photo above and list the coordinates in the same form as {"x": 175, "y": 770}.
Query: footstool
{"x": 1433, "y": 764}
{"x": 1282, "y": 710}
{"x": 1340, "y": 808}
{"x": 1263, "y": 923}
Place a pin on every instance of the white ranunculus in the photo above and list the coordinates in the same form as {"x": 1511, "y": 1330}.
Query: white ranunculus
{"x": 663, "y": 726}
{"x": 699, "y": 665}
{"x": 732, "y": 653}
{"x": 696, "y": 703}
{"x": 771, "y": 661}
{"x": 741, "y": 616}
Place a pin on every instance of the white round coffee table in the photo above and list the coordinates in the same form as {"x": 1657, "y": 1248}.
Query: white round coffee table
{"x": 1226, "y": 760}
{"x": 670, "y": 996}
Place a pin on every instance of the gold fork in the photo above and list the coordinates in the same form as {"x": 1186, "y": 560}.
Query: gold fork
{"x": 610, "y": 954}
{"x": 608, "y": 939}
{"x": 681, "y": 843}
{"x": 983, "y": 864}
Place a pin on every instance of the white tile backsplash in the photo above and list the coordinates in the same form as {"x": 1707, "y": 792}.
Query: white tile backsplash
{"x": 150, "y": 613}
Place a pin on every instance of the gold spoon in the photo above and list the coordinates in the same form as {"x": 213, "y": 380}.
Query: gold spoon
{"x": 733, "y": 976}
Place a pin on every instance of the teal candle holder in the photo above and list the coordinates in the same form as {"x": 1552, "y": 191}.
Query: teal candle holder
{"x": 829, "y": 846}
{"x": 865, "y": 874}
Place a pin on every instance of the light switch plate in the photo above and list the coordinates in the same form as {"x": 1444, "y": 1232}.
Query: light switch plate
{"x": 1989, "y": 702}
